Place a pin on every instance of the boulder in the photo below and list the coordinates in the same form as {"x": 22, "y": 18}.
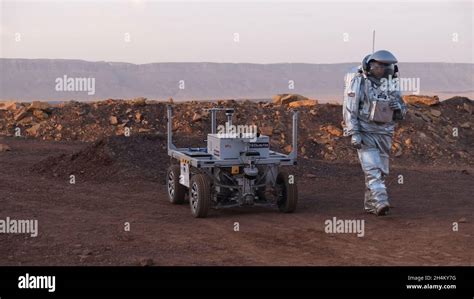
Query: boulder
{"x": 38, "y": 105}
{"x": 139, "y": 101}
{"x": 12, "y": 106}
{"x": 284, "y": 99}
{"x": 303, "y": 103}
{"x": 423, "y": 100}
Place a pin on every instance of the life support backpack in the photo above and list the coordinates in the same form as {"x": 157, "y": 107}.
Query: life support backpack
{"x": 347, "y": 89}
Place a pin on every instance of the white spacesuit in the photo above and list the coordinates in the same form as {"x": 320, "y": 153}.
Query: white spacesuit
{"x": 371, "y": 106}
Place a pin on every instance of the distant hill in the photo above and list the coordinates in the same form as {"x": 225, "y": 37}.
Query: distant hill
{"x": 31, "y": 79}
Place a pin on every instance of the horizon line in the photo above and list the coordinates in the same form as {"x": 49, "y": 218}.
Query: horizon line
{"x": 213, "y": 62}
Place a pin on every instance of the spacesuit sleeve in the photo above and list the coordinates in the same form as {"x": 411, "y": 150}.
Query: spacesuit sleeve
{"x": 400, "y": 114}
{"x": 352, "y": 95}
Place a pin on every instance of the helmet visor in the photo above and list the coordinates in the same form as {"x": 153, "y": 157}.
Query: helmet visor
{"x": 381, "y": 69}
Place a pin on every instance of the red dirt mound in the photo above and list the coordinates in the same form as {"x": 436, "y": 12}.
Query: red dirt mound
{"x": 115, "y": 157}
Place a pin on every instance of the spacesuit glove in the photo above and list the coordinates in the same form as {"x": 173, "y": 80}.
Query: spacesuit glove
{"x": 395, "y": 105}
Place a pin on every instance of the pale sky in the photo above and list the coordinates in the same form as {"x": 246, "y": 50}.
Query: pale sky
{"x": 268, "y": 31}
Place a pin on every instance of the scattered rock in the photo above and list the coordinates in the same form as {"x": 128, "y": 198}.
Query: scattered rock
{"x": 4, "y": 148}
{"x": 12, "y": 106}
{"x": 268, "y": 131}
{"x": 139, "y": 101}
{"x": 285, "y": 99}
{"x": 197, "y": 117}
{"x": 138, "y": 116}
{"x": 26, "y": 120}
{"x": 113, "y": 120}
{"x": 20, "y": 114}
{"x": 397, "y": 149}
{"x": 468, "y": 108}
{"x": 303, "y": 150}
{"x": 425, "y": 136}
{"x": 435, "y": 112}
{"x": 81, "y": 112}
{"x": 40, "y": 114}
{"x": 321, "y": 139}
{"x": 303, "y": 103}
{"x": 146, "y": 262}
{"x": 419, "y": 99}
{"x": 33, "y": 130}
{"x": 425, "y": 118}
{"x": 276, "y": 99}
{"x": 332, "y": 130}
{"x": 44, "y": 106}
{"x": 288, "y": 148}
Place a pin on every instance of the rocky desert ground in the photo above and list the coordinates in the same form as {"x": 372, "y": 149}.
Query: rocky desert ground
{"x": 119, "y": 179}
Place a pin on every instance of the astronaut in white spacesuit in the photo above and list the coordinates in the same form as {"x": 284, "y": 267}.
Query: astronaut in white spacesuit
{"x": 370, "y": 110}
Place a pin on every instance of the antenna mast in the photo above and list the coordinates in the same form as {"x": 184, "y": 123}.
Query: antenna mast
{"x": 373, "y": 42}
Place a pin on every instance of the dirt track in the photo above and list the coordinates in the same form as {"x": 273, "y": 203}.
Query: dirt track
{"x": 83, "y": 224}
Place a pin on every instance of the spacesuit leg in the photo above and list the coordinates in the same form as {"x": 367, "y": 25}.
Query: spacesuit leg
{"x": 373, "y": 157}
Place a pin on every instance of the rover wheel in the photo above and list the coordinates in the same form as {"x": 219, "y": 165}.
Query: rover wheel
{"x": 287, "y": 192}
{"x": 200, "y": 195}
{"x": 176, "y": 191}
